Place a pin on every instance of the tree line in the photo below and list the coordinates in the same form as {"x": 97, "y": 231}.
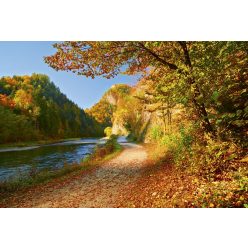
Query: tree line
{"x": 32, "y": 107}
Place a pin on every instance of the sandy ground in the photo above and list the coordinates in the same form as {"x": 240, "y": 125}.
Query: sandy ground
{"x": 101, "y": 187}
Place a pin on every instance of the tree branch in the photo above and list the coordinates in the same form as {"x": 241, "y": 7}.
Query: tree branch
{"x": 183, "y": 44}
{"x": 164, "y": 62}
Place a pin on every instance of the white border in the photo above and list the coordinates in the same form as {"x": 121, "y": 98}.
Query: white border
{"x": 123, "y": 228}
{"x": 123, "y": 20}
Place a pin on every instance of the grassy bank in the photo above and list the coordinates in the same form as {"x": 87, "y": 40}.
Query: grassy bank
{"x": 104, "y": 152}
{"x": 101, "y": 154}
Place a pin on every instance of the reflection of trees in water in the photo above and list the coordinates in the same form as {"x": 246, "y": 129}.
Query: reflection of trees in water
{"x": 19, "y": 162}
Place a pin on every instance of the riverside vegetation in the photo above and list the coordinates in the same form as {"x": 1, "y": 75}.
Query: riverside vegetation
{"x": 101, "y": 153}
{"x": 189, "y": 110}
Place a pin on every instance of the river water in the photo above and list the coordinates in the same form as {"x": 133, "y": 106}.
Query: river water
{"x": 19, "y": 161}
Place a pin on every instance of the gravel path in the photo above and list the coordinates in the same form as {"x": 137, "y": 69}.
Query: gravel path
{"x": 101, "y": 187}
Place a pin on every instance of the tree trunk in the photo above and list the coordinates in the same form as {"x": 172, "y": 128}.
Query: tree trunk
{"x": 201, "y": 111}
{"x": 200, "y": 107}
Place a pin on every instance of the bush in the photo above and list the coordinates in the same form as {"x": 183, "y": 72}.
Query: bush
{"x": 156, "y": 133}
{"x": 209, "y": 160}
{"x": 101, "y": 151}
{"x": 108, "y": 131}
{"x": 179, "y": 145}
{"x": 217, "y": 175}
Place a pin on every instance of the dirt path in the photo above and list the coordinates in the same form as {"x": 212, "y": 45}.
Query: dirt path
{"x": 101, "y": 187}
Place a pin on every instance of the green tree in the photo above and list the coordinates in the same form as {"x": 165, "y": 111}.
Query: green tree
{"x": 108, "y": 131}
{"x": 108, "y": 59}
{"x": 33, "y": 107}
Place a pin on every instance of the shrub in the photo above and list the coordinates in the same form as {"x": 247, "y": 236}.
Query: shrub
{"x": 207, "y": 159}
{"x": 179, "y": 145}
{"x": 102, "y": 151}
{"x": 156, "y": 133}
{"x": 108, "y": 131}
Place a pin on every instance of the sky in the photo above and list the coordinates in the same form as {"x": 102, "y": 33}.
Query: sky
{"x": 25, "y": 58}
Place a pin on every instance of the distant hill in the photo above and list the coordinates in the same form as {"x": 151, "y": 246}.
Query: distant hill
{"x": 129, "y": 112}
{"x": 107, "y": 110}
{"x": 32, "y": 107}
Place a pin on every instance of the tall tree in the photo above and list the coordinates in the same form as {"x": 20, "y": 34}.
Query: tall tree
{"x": 107, "y": 59}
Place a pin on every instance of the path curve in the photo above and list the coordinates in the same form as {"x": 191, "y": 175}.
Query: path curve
{"x": 98, "y": 188}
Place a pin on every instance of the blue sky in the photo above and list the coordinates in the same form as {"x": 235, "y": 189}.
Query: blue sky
{"x": 25, "y": 58}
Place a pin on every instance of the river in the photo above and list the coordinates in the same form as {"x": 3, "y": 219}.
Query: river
{"x": 19, "y": 161}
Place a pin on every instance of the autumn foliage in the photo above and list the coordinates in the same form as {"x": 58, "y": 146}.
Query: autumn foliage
{"x": 32, "y": 108}
{"x": 190, "y": 102}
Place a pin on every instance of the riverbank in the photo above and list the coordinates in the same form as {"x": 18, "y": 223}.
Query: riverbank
{"x": 139, "y": 176}
{"x": 99, "y": 186}
{"x": 33, "y": 144}
{"x": 102, "y": 153}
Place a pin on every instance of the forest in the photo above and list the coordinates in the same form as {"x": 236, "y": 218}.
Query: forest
{"x": 206, "y": 80}
{"x": 33, "y": 108}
